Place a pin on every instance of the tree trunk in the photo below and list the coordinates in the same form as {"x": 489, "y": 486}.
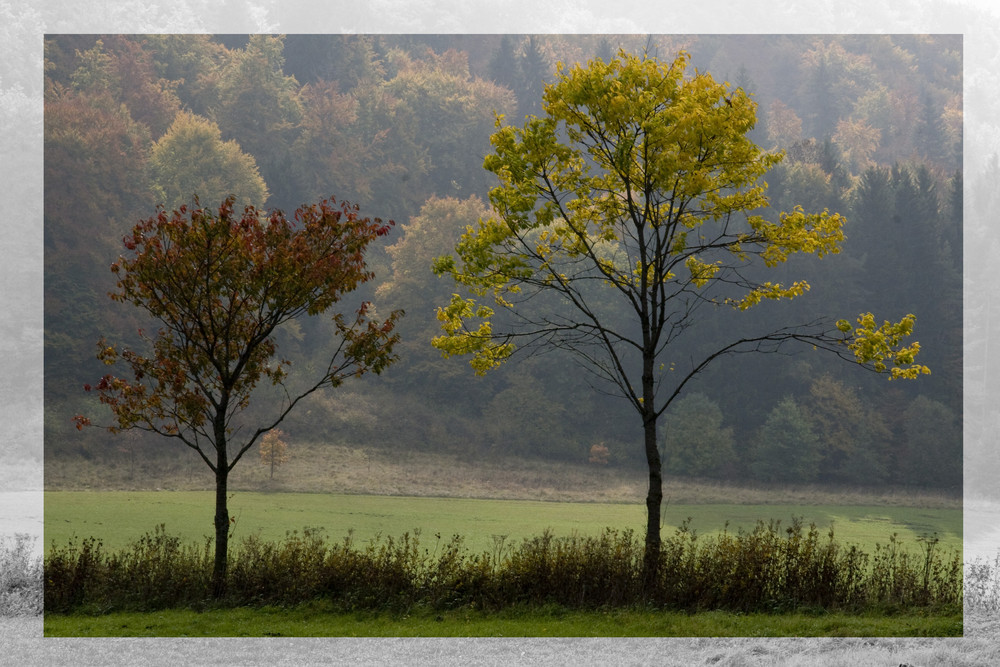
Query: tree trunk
{"x": 221, "y": 534}
{"x": 654, "y": 497}
{"x": 221, "y": 518}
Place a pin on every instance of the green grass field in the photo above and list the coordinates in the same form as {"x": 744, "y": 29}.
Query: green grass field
{"x": 118, "y": 517}
{"x": 315, "y": 621}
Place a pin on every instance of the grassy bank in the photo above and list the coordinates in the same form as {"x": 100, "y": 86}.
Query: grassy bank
{"x": 319, "y": 620}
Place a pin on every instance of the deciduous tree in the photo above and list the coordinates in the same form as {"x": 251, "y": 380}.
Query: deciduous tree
{"x": 330, "y": 149}
{"x": 623, "y": 217}
{"x": 95, "y": 186}
{"x": 450, "y": 111}
{"x": 220, "y": 283}
{"x": 273, "y": 450}
{"x": 192, "y": 159}
{"x": 259, "y": 107}
{"x": 853, "y": 437}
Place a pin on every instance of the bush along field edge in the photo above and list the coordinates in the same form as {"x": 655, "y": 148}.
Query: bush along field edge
{"x": 764, "y": 570}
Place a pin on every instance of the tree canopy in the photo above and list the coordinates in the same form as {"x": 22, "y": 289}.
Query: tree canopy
{"x": 623, "y": 217}
{"x": 220, "y": 283}
{"x": 191, "y": 158}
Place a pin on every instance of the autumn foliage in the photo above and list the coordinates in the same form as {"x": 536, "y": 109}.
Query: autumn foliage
{"x": 632, "y": 208}
{"x": 220, "y": 283}
{"x": 273, "y": 450}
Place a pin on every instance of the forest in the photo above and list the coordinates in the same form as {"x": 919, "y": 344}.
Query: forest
{"x": 870, "y": 125}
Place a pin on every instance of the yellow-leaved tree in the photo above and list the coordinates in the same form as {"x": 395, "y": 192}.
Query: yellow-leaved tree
{"x": 637, "y": 191}
{"x": 273, "y": 450}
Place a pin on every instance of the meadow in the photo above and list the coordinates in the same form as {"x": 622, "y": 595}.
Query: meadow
{"x": 118, "y": 517}
{"x": 433, "y": 518}
{"x": 476, "y": 561}
{"x": 338, "y": 488}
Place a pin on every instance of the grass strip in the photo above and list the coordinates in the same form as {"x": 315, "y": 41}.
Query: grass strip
{"x": 318, "y": 620}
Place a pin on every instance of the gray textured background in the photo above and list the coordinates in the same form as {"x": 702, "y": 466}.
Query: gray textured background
{"x": 22, "y": 25}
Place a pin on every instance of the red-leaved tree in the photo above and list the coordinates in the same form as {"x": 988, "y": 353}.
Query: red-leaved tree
{"x": 221, "y": 283}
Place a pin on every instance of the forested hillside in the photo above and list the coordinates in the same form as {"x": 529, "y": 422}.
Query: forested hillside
{"x": 871, "y": 126}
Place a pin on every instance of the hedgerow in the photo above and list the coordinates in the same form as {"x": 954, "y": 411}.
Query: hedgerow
{"x": 765, "y": 569}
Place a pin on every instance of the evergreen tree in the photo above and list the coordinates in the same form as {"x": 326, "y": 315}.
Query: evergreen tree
{"x": 758, "y": 134}
{"x": 929, "y": 135}
{"x": 933, "y": 445}
{"x": 533, "y": 69}
{"x": 785, "y": 448}
{"x": 604, "y": 51}
{"x": 872, "y": 228}
{"x": 346, "y": 59}
{"x": 954, "y": 212}
{"x": 695, "y": 443}
{"x": 503, "y": 67}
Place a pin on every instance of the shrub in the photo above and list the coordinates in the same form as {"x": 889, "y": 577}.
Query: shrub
{"x": 155, "y": 572}
{"x": 766, "y": 569}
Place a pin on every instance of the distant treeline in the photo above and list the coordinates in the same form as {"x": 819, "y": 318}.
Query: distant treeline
{"x": 399, "y": 124}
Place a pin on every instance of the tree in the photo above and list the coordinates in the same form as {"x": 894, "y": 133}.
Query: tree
{"x": 191, "y": 63}
{"x": 330, "y": 152}
{"x": 852, "y": 435}
{"x": 95, "y": 186}
{"x": 533, "y": 68}
{"x": 450, "y": 111}
{"x": 930, "y": 136}
{"x": 786, "y": 449}
{"x": 622, "y": 215}
{"x": 91, "y": 130}
{"x": 784, "y": 127}
{"x": 502, "y": 68}
{"x": 344, "y": 59}
{"x": 857, "y": 141}
{"x": 522, "y": 420}
{"x": 273, "y": 450}
{"x": 128, "y": 72}
{"x": 696, "y": 444}
{"x": 192, "y": 159}
{"x": 604, "y": 51}
{"x": 220, "y": 285}
{"x": 435, "y": 229}
{"x": 933, "y": 445}
{"x": 259, "y": 107}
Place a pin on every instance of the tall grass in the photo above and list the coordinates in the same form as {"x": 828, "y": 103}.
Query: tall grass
{"x": 765, "y": 569}
{"x": 20, "y": 577}
{"x": 332, "y": 468}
